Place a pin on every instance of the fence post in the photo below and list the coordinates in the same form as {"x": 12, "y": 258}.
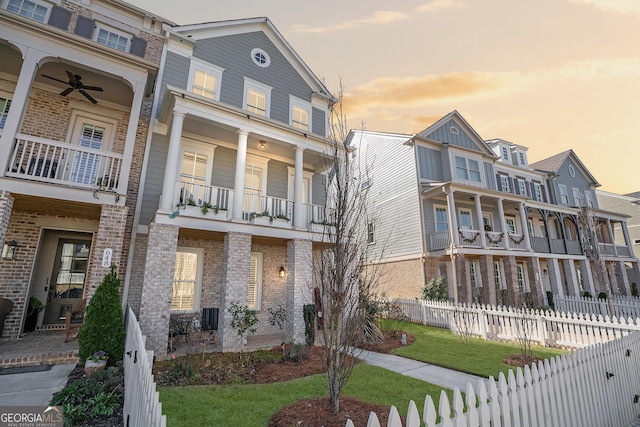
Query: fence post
{"x": 483, "y": 319}
{"x": 542, "y": 330}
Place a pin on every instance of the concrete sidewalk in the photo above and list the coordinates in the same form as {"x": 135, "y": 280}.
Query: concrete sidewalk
{"x": 423, "y": 371}
{"x": 34, "y": 388}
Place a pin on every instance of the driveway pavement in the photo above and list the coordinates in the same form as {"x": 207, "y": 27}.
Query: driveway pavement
{"x": 34, "y": 388}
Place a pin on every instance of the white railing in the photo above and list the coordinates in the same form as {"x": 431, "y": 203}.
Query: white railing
{"x": 255, "y": 205}
{"x": 55, "y": 162}
{"x": 191, "y": 194}
{"x": 623, "y": 306}
{"x": 517, "y": 241}
{"x": 470, "y": 238}
{"x": 594, "y": 387}
{"x": 440, "y": 240}
{"x": 495, "y": 239}
{"x": 142, "y": 405}
{"x": 545, "y": 327}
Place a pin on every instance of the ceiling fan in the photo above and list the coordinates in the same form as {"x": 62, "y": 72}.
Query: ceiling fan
{"x": 75, "y": 82}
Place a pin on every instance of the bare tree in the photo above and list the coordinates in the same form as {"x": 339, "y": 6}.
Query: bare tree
{"x": 344, "y": 278}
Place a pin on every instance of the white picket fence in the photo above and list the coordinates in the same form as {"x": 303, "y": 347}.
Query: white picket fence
{"x": 543, "y": 327}
{"x": 596, "y": 386}
{"x": 623, "y": 306}
{"x": 142, "y": 405}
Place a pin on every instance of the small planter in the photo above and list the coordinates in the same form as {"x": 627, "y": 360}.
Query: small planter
{"x": 91, "y": 366}
{"x": 315, "y": 227}
{"x": 261, "y": 220}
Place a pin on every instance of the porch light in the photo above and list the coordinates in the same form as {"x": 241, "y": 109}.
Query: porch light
{"x": 10, "y": 249}
{"x": 262, "y": 145}
{"x": 283, "y": 272}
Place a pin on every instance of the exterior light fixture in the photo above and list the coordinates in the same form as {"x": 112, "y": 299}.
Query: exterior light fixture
{"x": 10, "y": 249}
{"x": 262, "y": 145}
{"x": 282, "y": 273}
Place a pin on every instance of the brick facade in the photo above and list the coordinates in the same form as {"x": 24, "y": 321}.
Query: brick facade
{"x": 401, "y": 279}
{"x": 6, "y": 206}
{"x": 299, "y": 284}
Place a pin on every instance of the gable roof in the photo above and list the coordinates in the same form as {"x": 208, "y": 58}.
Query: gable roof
{"x": 553, "y": 164}
{"x": 247, "y": 25}
{"x": 467, "y": 136}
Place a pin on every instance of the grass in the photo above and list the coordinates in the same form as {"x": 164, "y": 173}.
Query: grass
{"x": 253, "y": 405}
{"x": 443, "y": 348}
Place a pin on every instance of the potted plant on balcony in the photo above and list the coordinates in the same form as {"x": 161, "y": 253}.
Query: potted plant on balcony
{"x": 35, "y": 307}
{"x": 280, "y": 220}
{"x": 260, "y": 218}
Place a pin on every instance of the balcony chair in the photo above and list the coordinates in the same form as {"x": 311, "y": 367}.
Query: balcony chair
{"x": 73, "y": 319}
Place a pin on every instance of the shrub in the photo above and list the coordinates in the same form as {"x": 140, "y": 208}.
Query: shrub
{"x": 309, "y": 313}
{"x": 550, "y": 300}
{"x": 436, "y": 289}
{"x": 602, "y": 295}
{"x": 103, "y": 327}
{"x": 634, "y": 289}
{"x": 587, "y": 294}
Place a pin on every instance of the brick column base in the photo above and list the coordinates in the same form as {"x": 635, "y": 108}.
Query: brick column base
{"x": 299, "y": 279}
{"x": 6, "y": 206}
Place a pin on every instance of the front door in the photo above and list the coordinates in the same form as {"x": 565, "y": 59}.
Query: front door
{"x": 67, "y": 279}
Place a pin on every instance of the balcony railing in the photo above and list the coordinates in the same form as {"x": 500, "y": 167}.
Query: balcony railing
{"x": 43, "y": 160}
{"x": 208, "y": 196}
{"x": 273, "y": 207}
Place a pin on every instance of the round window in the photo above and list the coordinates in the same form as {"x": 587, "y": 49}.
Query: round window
{"x": 572, "y": 171}
{"x": 260, "y": 57}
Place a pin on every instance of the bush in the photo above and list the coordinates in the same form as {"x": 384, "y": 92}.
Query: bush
{"x": 602, "y": 295}
{"x": 436, "y": 289}
{"x": 634, "y": 289}
{"x": 587, "y": 294}
{"x": 309, "y": 313}
{"x": 103, "y": 327}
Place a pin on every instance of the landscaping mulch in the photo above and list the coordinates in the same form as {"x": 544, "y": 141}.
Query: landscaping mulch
{"x": 521, "y": 360}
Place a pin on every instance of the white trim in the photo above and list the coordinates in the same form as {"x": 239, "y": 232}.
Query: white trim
{"x": 258, "y": 256}
{"x": 466, "y": 157}
{"x": 111, "y": 30}
{"x": 199, "y": 252}
{"x": 295, "y": 102}
{"x": 209, "y": 69}
{"x": 47, "y": 5}
{"x": 562, "y": 193}
{"x": 250, "y": 84}
{"x": 258, "y": 51}
{"x": 292, "y": 179}
{"x": 435, "y": 217}
{"x": 465, "y": 210}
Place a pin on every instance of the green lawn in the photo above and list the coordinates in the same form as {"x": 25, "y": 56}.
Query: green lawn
{"x": 253, "y": 405}
{"x": 442, "y": 347}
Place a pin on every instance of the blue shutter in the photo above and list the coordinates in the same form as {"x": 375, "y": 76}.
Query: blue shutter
{"x": 59, "y": 17}
{"x": 84, "y": 27}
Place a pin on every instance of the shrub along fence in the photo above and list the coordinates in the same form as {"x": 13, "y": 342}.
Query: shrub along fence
{"x": 543, "y": 327}
{"x": 623, "y": 306}
{"x": 594, "y": 386}
{"x": 142, "y": 405}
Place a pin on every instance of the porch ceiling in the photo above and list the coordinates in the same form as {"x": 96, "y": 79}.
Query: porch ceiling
{"x": 190, "y": 233}
{"x": 56, "y": 207}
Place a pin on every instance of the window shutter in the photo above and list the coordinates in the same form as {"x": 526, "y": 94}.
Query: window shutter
{"x": 516, "y": 187}
{"x": 253, "y": 284}
{"x": 138, "y": 46}
{"x": 84, "y": 27}
{"x": 511, "y": 186}
{"x": 544, "y": 193}
{"x": 59, "y": 17}
{"x": 499, "y": 182}
{"x": 532, "y": 190}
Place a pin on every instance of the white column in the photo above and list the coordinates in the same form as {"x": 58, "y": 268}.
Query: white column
{"x": 525, "y": 226}
{"x": 171, "y": 169}
{"x": 483, "y": 237}
{"x": 132, "y": 129}
{"x": 503, "y": 224}
{"x": 238, "y": 184}
{"x": 612, "y": 237}
{"x": 453, "y": 221}
{"x": 298, "y": 206}
{"x": 18, "y": 105}
{"x": 627, "y": 239}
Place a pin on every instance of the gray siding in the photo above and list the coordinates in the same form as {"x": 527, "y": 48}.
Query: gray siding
{"x": 224, "y": 167}
{"x": 277, "y": 179}
{"x": 579, "y": 181}
{"x": 155, "y": 175}
{"x": 442, "y": 134}
{"x": 489, "y": 176}
{"x": 318, "y": 124}
{"x": 318, "y": 189}
{"x": 429, "y": 164}
{"x": 176, "y": 73}
{"x": 233, "y": 53}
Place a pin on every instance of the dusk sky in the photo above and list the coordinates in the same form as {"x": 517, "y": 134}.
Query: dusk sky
{"x": 547, "y": 74}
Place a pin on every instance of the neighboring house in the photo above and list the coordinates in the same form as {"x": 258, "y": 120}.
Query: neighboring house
{"x": 75, "y": 87}
{"x": 234, "y": 181}
{"x": 629, "y": 205}
{"x": 451, "y": 204}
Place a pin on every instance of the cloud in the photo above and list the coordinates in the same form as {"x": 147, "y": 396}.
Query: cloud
{"x": 378, "y": 17}
{"x": 437, "y": 5}
{"x": 624, "y": 7}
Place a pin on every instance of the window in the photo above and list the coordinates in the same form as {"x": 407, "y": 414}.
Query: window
{"x": 504, "y": 183}
{"x": 37, "y": 11}
{"x": 474, "y": 274}
{"x": 370, "y": 233}
{"x": 86, "y": 164}
{"x": 522, "y": 277}
{"x": 522, "y": 159}
{"x": 187, "y": 278}
{"x": 505, "y": 153}
{"x": 588, "y": 196}
{"x": 487, "y": 223}
{"x": 522, "y": 187}
{"x": 300, "y": 113}
{"x": 465, "y": 219}
{"x": 254, "y": 300}
{"x": 572, "y": 171}
{"x": 94, "y": 132}
{"x": 564, "y": 196}
{"x": 497, "y": 275}
{"x": 205, "y": 79}
{"x": 537, "y": 191}
{"x": 511, "y": 224}
{"x": 4, "y": 111}
{"x": 195, "y": 173}
{"x": 253, "y": 188}
{"x": 260, "y": 58}
{"x": 442, "y": 221}
{"x": 257, "y": 98}
{"x": 467, "y": 169}
{"x": 636, "y": 241}
{"x": 577, "y": 197}
{"x": 112, "y": 38}
{"x": 530, "y": 227}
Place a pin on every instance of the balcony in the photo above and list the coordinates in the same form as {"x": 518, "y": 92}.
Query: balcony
{"x": 43, "y": 160}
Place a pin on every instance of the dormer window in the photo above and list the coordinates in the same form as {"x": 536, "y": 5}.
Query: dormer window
{"x": 36, "y": 10}
{"x": 112, "y": 38}
{"x": 522, "y": 160}
{"x": 505, "y": 153}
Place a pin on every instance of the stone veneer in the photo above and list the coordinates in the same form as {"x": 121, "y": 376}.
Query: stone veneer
{"x": 158, "y": 280}
{"x": 299, "y": 283}
{"x": 6, "y": 206}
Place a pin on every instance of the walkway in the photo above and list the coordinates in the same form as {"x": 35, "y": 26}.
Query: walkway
{"x": 34, "y": 388}
{"x": 38, "y": 347}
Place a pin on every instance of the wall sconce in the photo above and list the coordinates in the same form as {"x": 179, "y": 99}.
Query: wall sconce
{"x": 10, "y": 249}
{"x": 262, "y": 145}
{"x": 282, "y": 273}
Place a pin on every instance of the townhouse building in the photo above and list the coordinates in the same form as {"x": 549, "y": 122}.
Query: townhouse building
{"x": 234, "y": 182}
{"x": 629, "y": 205}
{"x": 501, "y": 230}
{"x": 76, "y": 81}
